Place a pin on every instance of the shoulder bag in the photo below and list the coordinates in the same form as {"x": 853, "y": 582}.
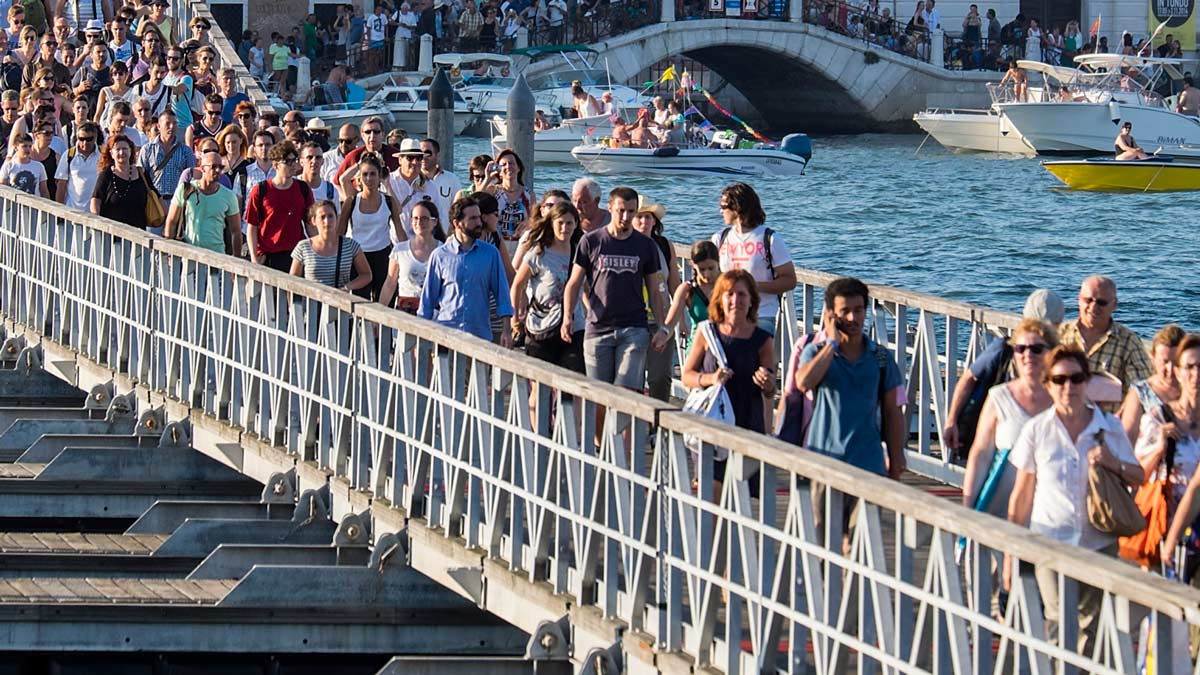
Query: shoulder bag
{"x": 155, "y": 212}
{"x": 1111, "y": 508}
{"x": 711, "y": 401}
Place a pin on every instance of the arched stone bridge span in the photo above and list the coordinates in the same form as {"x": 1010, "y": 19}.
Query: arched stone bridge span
{"x": 799, "y": 76}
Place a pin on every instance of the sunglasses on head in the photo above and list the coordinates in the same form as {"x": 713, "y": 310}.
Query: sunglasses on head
{"x": 1073, "y": 378}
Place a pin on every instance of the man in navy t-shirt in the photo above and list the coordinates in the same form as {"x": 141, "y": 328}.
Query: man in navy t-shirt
{"x": 617, "y": 263}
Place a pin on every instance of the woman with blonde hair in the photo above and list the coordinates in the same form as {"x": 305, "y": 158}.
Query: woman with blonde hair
{"x": 1161, "y": 387}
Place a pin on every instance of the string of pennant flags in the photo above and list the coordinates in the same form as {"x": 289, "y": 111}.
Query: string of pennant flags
{"x": 688, "y": 85}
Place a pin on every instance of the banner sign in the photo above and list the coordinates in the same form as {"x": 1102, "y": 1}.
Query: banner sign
{"x": 1180, "y": 16}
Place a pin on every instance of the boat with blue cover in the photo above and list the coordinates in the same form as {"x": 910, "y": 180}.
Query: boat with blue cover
{"x": 789, "y": 158}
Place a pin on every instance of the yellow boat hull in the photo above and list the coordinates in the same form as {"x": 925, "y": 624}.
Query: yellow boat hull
{"x": 1114, "y": 176}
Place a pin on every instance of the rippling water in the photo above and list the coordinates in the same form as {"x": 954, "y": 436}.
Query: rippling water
{"x": 978, "y": 228}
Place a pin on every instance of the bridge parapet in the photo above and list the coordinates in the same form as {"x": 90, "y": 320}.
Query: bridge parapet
{"x": 513, "y": 493}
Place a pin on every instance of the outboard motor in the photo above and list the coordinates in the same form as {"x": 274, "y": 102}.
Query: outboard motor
{"x": 797, "y": 144}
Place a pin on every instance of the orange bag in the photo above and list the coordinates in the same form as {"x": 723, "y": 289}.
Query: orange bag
{"x": 1144, "y": 548}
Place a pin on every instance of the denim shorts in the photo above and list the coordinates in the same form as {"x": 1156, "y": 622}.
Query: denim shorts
{"x": 618, "y": 357}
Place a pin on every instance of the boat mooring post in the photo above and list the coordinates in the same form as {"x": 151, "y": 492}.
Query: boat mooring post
{"x": 441, "y": 116}
{"x": 519, "y": 125}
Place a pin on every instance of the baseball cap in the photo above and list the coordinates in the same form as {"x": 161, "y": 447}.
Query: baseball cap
{"x": 1045, "y": 305}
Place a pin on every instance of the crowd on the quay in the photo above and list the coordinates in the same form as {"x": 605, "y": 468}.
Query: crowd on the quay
{"x": 980, "y": 40}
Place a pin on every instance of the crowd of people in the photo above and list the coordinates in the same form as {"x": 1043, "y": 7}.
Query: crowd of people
{"x": 126, "y": 119}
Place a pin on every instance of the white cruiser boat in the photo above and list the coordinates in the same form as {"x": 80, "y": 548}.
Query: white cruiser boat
{"x": 338, "y": 114}
{"x": 554, "y": 145}
{"x": 789, "y": 159}
{"x": 1086, "y": 115}
{"x": 409, "y": 107}
{"x": 972, "y": 131}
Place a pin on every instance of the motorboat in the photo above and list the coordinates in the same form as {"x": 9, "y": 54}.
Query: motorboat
{"x": 554, "y": 145}
{"x": 1158, "y": 174}
{"x": 338, "y": 114}
{"x": 552, "y": 90}
{"x": 789, "y": 158}
{"x": 483, "y": 80}
{"x": 409, "y": 107}
{"x": 1085, "y": 113}
{"x": 973, "y": 131}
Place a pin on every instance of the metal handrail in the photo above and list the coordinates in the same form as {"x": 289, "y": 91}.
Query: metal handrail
{"x": 487, "y": 453}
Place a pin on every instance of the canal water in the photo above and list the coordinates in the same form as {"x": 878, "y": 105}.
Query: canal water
{"x": 979, "y": 228}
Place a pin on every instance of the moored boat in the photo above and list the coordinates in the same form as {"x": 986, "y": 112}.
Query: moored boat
{"x": 789, "y": 159}
{"x": 1110, "y": 175}
{"x": 554, "y": 145}
{"x": 973, "y": 131}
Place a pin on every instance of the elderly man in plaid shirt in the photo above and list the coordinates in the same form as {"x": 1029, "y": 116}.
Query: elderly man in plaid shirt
{"x": 470, "y": 22}
{"x": 1110, "y": 346}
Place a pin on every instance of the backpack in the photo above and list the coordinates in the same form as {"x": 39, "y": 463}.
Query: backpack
{"x": 968, "y": 419}
{"x": 10, "y": 76}
{"x": 768, "y": 234}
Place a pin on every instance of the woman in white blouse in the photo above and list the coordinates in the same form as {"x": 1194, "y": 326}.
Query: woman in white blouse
{"x": 1052, "y": 456}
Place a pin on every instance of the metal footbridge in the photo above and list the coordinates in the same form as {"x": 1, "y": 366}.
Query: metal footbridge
{"x": 200, "y": 454}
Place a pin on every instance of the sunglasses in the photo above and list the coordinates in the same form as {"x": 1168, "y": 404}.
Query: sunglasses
{"x": 216, "y": 167}
{"x": 50, "y": 44}
{"x": 1073, "y": 378}
{"x": 291, "y": 159}
{"x": 212, "y": 112}
{"x": 1099, "y": 302}
{"x": 86, "y": 139}
{"x": 347, "y": 140}
{"x": 478, "y": 176}
{"x": 371, "y": 132}
{"x": 245, "y": 116}
{"x": 174, "y": 58}
{"x": 1032, "y": 349}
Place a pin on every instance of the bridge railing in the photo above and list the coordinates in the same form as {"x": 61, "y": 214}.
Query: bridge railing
{"x": 589, "y": 500}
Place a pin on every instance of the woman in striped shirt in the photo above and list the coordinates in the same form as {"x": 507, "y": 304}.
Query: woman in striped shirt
{"x": 328, "y": 258}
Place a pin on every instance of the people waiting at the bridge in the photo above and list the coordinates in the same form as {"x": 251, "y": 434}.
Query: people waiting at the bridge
{"x": 660, "y": 364}
{"x": 122, "y": 188}
{"x": 1110, "y": 347}
{"x": 164, "y": 158}
{"x": 857, "y": 387}
{"x": 1052, "y": 455}
{"x": 745, "y": 242}
{"x": 407, "y": 183}
{"x": 78, "y": 168}
{"x": 464, "y": 274}
{"x": 312, "y": 162}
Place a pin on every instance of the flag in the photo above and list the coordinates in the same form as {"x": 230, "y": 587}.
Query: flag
{"x": 1095, "y": 29}
{"x": 1158, "y": 30}
{"x": 668, "y": 74}
{"x": 685, "y": 80}
{"x": 691, "y": 111}
{"x": 591, "y": 130}
{"x": 706, "y": 125}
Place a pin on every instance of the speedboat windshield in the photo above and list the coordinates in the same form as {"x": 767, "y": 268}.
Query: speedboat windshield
{"x": 594, "y": 77}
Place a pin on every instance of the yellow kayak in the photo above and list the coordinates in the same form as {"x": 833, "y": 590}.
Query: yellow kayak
{"x": 1110, "y": 175}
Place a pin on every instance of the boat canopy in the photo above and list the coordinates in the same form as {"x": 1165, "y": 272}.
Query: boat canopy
{"x": 1060, "y": 73}
{"x": 588, "y": 77}
{"x": 456, "y": 60}
{"x": 546, "y": 50}
{"x": 1112, "y": 62}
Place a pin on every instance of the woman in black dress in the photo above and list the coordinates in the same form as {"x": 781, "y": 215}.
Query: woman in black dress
{"x": 120, "y": 189}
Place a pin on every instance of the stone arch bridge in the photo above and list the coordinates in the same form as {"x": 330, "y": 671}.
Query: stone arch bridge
{"x": 799, "y": 76}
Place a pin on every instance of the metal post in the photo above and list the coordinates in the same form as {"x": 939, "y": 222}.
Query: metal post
{"x": 303, "y": 78}
{"x": 425, "y": 60}
{"x": 441, "y": 116}
{"x": 400, "y": 54}
{"x": 520, "y": 125}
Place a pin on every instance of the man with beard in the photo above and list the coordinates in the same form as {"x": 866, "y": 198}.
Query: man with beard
{"x": 464, "y": 274}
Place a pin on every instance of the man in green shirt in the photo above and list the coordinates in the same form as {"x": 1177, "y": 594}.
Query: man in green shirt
{"x": 206, "y": 210}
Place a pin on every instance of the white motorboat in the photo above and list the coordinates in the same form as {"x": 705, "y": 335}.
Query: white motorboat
{"x": 789, "y": 159}
{"x": 972, "y": 131}
{"x": 554, "y": 145}
{"x": 409, "y": 107}
{"x": 335, "y": 115}
{"x": 552, "y": 90}
{"x": 1085, "y": 115}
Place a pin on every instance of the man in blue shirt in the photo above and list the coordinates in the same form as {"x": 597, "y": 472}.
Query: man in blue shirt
{"x": 463, "y": 274}
{"x": 853, "y": 379}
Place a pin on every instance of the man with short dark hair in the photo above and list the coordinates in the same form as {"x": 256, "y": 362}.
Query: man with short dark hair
{"x": 277, "y": 211}
{"x": 857, "y": 386}
{"x": 464, "y": 274}
{"x": 45, "y": 58}
{"x": 164, "y": 159}
{"x": 616, "y": 265}
{"x": 440, "y": 184}
{"x": 373, "y": 141}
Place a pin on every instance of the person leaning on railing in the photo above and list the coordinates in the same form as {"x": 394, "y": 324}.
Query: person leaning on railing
{"x": 1052, "y": 455}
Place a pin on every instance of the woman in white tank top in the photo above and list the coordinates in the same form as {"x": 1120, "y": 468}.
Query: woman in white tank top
{"x": 371, "y": 218}
{"x": 1007, "y": 408}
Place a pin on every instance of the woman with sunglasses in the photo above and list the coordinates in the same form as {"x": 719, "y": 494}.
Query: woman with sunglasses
{"x": 204, "y": 72}
{"x": 1052, "y": 455}
{"x": 158, "y": 19}
{"x": 1008, "y": 407}
{"x": 26, "y": 48}
{"x": 119, "y": 90}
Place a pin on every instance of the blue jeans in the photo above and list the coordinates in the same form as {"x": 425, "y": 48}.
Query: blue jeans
{"x": 618, "y": 357}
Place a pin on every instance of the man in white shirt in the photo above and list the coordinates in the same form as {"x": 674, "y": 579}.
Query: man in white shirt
{"x": 556, "y": 12}
{"x": 78, "y": 168}
{"x": 933, "y": 18}
{"x": 746, "y": 243}
{"x": 439, "y": 183}
{"x": 347, "y": 140}
{"x": 407, "y": 183}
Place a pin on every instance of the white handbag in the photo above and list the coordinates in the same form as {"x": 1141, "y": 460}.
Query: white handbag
{"x": 711, "y": 401}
